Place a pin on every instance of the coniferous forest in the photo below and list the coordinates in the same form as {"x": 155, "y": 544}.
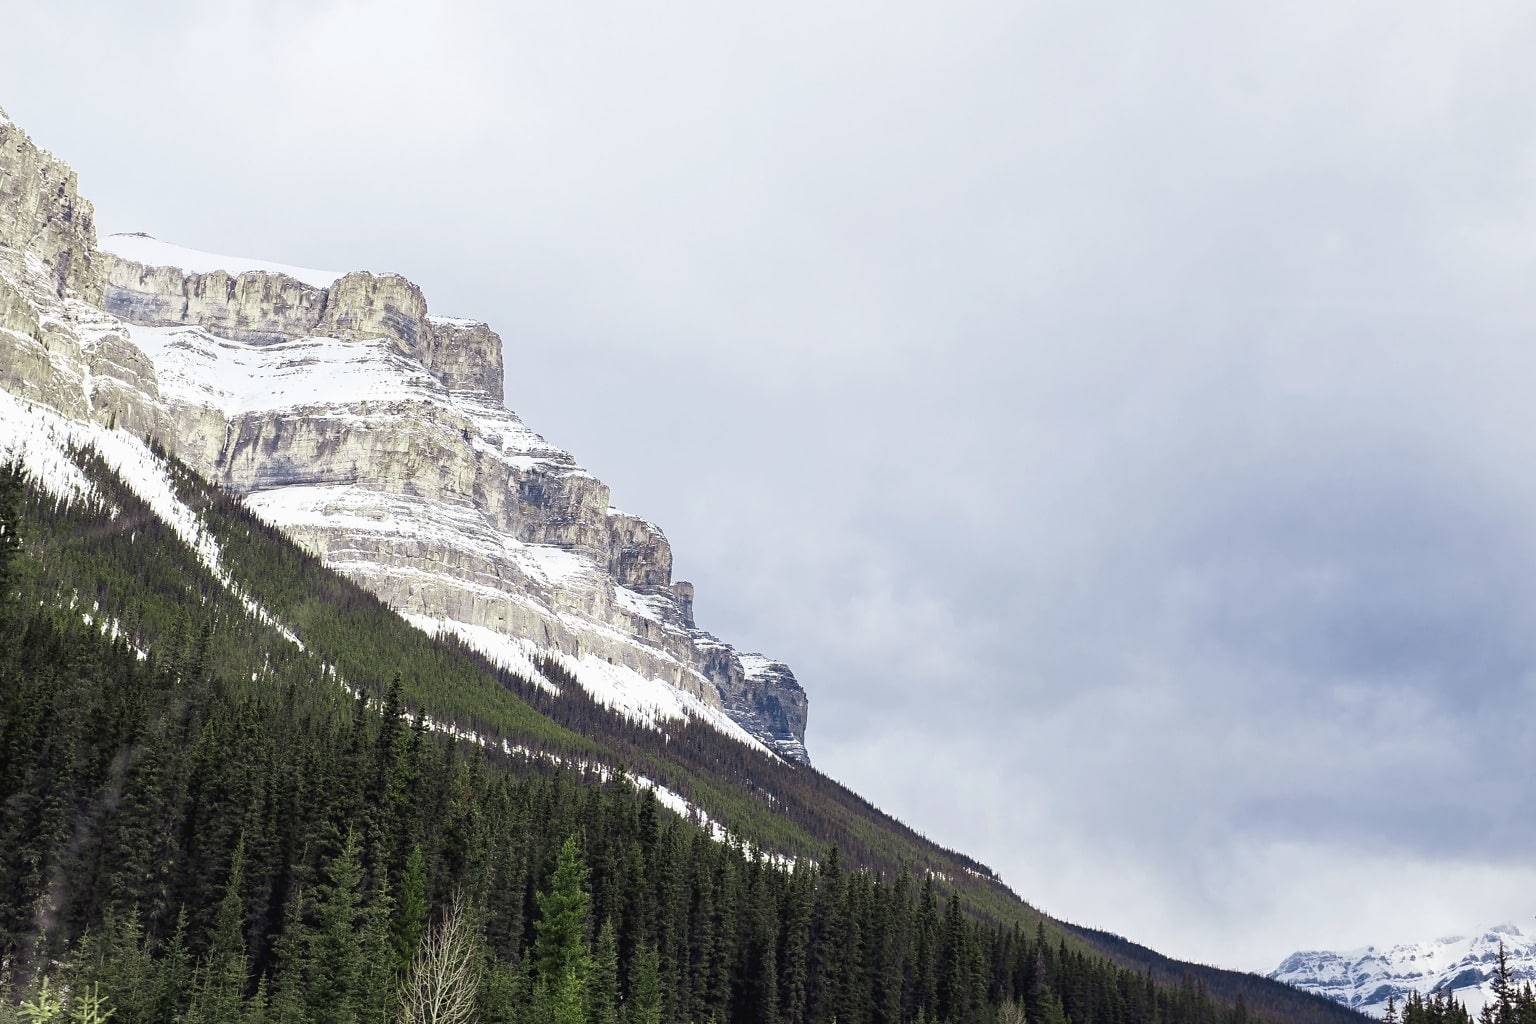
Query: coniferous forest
{"x": 203, "y": 820}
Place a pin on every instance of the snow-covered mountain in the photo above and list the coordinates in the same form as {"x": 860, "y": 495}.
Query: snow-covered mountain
{"x": 373, "y": 432}
{"x": 1463, "y": 965}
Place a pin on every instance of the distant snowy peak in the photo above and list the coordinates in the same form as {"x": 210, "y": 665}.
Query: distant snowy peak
{"x": 1463, "y": 965}
{"x": 151, "y": 252}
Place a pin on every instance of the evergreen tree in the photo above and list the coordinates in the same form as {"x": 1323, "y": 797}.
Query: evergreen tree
{"x": 603, "y": 985}
{"x": 338, "y": 968}
{"x": 644, "y": 1004}
{"x": 561, "y": 959}
{"x": 12, "y": 489}
{"x": 221, "y": 979}
{"x": 1503, "y": 988}
{"x": 173, "y": 974}
{"x": 410, "y": 910}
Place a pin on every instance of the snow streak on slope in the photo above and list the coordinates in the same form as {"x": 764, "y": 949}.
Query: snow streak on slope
{"x": 668, "y": 798}
{"x": 42, "y": 440}
{"x": 1463, "y": 965}
{"x": 638, "y": 698}
{"x": 196, "y": 367}
{"x": 152, "y": 252}
{"x": 324, "y": 377}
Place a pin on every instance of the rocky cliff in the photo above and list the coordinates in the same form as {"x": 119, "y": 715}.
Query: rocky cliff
{"x": 375, "y": 433}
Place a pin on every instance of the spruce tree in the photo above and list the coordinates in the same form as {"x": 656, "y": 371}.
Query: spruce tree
{"x": 337, "y": 967}
{"x": 603, "y": 985}
{"x": 410, "y": 918}
{"x": 561, "y": 960}
{"x": 222, "y": 976}
{"x": 644, "y": 1005}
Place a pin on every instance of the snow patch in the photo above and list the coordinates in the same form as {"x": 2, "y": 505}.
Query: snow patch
{"x": 512, "y": 653}
{"x": 151, "y": 252}
{"x": 645, "y": 700}
{"x": 455, "y": 321}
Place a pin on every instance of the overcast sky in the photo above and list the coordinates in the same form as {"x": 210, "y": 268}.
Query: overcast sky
{"x": 1119, "y": 415}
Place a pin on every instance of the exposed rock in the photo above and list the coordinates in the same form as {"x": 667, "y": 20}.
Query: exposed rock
{"x": 770, "y": 704}
{"x": 264, "y": 308}
{"x": 42, "y": 214}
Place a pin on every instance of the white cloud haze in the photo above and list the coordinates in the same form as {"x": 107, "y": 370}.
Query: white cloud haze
{"x": 1120, "y": 418}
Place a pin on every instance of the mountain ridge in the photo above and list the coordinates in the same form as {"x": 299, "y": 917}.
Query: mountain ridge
{"x": 1462, "y": 965}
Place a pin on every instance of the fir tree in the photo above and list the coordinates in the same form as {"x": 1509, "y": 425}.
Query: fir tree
{"x": 603, "y": 985}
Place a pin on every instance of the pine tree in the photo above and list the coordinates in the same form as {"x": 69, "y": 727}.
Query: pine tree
{"x": 12, "y": 488}
{"x": 221, "y": 978}
{"x": 410, "y": 910}
{"x": 336, "y": 960}
{"x": 1504, "y": 988}
{"x": 173, "y": 973}
{"x": 603, "y": 985}
{"x": 644, "y": 1005}
{"x": 561, "y": 960}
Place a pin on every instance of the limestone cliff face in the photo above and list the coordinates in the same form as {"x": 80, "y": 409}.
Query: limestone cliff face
{"x": 264, "y": 308}
{"x": 42, "y": 213}
{"x": 373, "y": 432}
{"x": 57, "y": 346}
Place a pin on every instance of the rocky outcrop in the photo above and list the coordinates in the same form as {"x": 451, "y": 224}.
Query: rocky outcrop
{"x": 264, "y": 308}
{"x": 373, "y": 432}
{"x": 42, "y": 214}
{"x": 57, "y": 346}
{"x": 770, "y": 703}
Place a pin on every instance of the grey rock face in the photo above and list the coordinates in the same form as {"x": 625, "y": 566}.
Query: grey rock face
{"x": 265, "y": 308}
{"x": 43, "y": 214}
{"x": 771, "y": 704}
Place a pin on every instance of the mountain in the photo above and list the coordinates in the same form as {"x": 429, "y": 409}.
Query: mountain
{"x": 375, "y": 434}
{"x": 232, "y": 766}
{"x": 1464, "y": 965}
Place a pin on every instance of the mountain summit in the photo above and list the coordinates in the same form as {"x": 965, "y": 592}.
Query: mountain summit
{"x": 1461, "y": 965}
{"x": 374, "y": 433}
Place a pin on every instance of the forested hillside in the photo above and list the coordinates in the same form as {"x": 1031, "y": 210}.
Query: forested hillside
{"x": 265, "y": 798}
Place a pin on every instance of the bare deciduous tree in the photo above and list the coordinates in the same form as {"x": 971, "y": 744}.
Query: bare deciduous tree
{"x": 444, "y": 980}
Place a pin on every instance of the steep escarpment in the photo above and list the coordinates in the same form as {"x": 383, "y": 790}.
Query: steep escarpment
{"x": 375, "y": 433}
{"x": 266, "y": 306}
{"x": 57, "y": 346}
{"x": 43, "y": 214}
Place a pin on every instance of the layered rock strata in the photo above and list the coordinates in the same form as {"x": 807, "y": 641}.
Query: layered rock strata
{"x": 375, "y": 433}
